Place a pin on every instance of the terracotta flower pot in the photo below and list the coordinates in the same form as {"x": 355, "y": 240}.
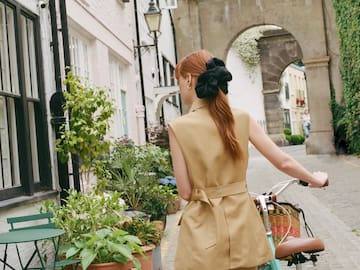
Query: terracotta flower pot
{"x": 160, "y": 226}
{"x": 145, "y": 260}
{"x": 106, "y": 266}
{"x": 174, "y": 206}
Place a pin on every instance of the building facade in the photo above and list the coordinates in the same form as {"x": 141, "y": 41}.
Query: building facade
{"x": 98, "y": 39}
{"x": 293, "y": 98}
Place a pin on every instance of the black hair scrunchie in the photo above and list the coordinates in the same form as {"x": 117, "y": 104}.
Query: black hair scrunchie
{"x": 216, "y": 76}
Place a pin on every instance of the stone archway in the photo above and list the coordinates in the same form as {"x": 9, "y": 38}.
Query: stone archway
{"x": 214, "y": 25}
{"x": 278, "y": 48}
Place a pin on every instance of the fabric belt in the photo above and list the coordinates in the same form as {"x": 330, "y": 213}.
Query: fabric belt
{"x": 218, "y": 191}
{"x": 204, "y": 195}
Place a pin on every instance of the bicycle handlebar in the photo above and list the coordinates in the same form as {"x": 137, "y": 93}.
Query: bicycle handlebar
{"x": 269, "y": 198}
{"x": 285, "y": 184}
{"x": 303, "y": 183}
{"x": 271, "y": 195}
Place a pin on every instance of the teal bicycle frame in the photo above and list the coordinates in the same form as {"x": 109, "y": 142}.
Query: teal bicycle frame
{"x": 273, "y": 264}
{"x": 263, "y": 201}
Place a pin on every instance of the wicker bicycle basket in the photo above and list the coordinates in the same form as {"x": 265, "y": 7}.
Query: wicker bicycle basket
{"x": 281, "y": 222}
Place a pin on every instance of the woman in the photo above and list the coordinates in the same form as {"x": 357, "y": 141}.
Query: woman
{"x": 220, "y": 227}
{"x": 306, "y": 123}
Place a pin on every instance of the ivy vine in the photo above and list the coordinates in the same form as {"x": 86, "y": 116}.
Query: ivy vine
{"x": 348, "y": 23}
{"x": 246, "y": 45}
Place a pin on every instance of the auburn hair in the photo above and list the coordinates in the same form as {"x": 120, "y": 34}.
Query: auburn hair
{"x": 219, "y": 107}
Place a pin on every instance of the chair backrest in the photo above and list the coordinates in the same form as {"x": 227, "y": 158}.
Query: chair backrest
{"x": 37, "y": 221}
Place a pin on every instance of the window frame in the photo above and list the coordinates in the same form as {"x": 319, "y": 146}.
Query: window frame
{"x": 169, "y": 80}
{"x": 27, "y": 184}
{"x": 120, "y": 94}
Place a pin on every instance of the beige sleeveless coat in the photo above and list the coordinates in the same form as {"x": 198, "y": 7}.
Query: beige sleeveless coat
{"x": 220, "y": 227}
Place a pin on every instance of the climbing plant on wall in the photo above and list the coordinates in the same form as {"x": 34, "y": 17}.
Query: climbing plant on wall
{"x": 246, "y": 45}
{"x": 348, "y": 23}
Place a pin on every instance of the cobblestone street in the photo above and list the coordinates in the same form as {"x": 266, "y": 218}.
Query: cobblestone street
{"x": 332, "y": 213}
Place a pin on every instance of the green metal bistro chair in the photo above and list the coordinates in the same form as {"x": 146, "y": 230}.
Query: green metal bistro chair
{"x": 3, "y": 260}
{"x": 38, "y": 222}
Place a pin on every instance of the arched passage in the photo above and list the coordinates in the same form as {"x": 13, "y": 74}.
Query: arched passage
{"x": 215, "y": 24}
{"x": 278, "y": 48}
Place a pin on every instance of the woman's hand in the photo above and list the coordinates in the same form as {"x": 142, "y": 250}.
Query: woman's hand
{"x": 320, "y": 179}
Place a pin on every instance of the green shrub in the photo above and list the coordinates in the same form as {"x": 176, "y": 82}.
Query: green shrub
{"x": 156, "y": 201}
{"x": 145, "y": 230}
{"x": 339, "y": 125}
{"x": 128, "y": 171}
{"x": 287, "y": 131}
{"x": 86, "y": 212}
{"x": 295, "y": 139}
{"x": 90, "y": 110}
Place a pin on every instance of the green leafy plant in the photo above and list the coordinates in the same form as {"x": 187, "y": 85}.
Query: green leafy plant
{"x": 129, "y": 173}
{"x": 287, "y": 131}
{"x": 339, "y": 125}
{"x": 134, "y": 170}
{"x": 158, "y": 158}
{"x": 156, "y": 202}
{"x": 90, "y": 112}
{"x": 347, "y": 125}
{"x": 293, "y": 139}
{"x": 87, "y": 212}
{"x": 105, "y": 246}
{"x": 145, "y": 230}
{"x": 246, "y": 45}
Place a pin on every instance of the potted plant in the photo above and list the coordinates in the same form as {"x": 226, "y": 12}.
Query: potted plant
{"x": 145, "y": 230}
{"x": 87, "y": 212}
{"x": 96, "y": 228}
{"x": 155, "y": 203}
{"x": 149, "y": 235}
{"x": 128, "y": 172}
{"x": 107, "y": 249}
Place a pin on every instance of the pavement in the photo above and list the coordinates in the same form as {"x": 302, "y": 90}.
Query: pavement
{"x": 332, "y": 212}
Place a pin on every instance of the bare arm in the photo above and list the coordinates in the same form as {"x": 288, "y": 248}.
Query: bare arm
{"x": 180, "y": 168}
{"x": 281, "y": 160}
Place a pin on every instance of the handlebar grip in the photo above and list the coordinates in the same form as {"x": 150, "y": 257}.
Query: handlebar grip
{"x": 303, "y": 183}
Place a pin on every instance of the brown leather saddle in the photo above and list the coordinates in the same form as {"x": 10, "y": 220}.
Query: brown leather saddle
{"x": 292, "y": 249}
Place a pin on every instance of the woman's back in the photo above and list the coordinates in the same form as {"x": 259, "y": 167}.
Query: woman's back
{"x": 208, "y": 163}
{"x": 220, "y": 224}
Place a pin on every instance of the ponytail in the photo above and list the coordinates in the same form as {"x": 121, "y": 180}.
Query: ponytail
{"x": 221, "y": 113}
{"x": 212, "y": 77}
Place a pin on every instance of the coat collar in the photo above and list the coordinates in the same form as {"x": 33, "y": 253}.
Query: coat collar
{"x": 197, "y": 104}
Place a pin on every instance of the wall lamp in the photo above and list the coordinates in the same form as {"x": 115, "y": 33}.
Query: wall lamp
{"x": 153, "y": 20}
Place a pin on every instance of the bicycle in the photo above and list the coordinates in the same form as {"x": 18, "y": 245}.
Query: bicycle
{"x": 294, "y": 250}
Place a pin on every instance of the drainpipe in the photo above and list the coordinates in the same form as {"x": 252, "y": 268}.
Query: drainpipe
{"x": 57, "y": 101}
{"x": 67, "y": 63}
{"x": 140, "y": 69}
{"x": 175, "y": 49}
{"x": 326, "y": 39}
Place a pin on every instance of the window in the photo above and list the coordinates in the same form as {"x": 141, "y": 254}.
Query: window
{"x": 168, "y": 70}
{"x": 119, "y": 95}
{"x": 22, "y": 122}
{"x": 79, "y": 55}
{"x": 169, "y": 79}
{"x": 287, "y": 120}
{"x": 287, "y": 93}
